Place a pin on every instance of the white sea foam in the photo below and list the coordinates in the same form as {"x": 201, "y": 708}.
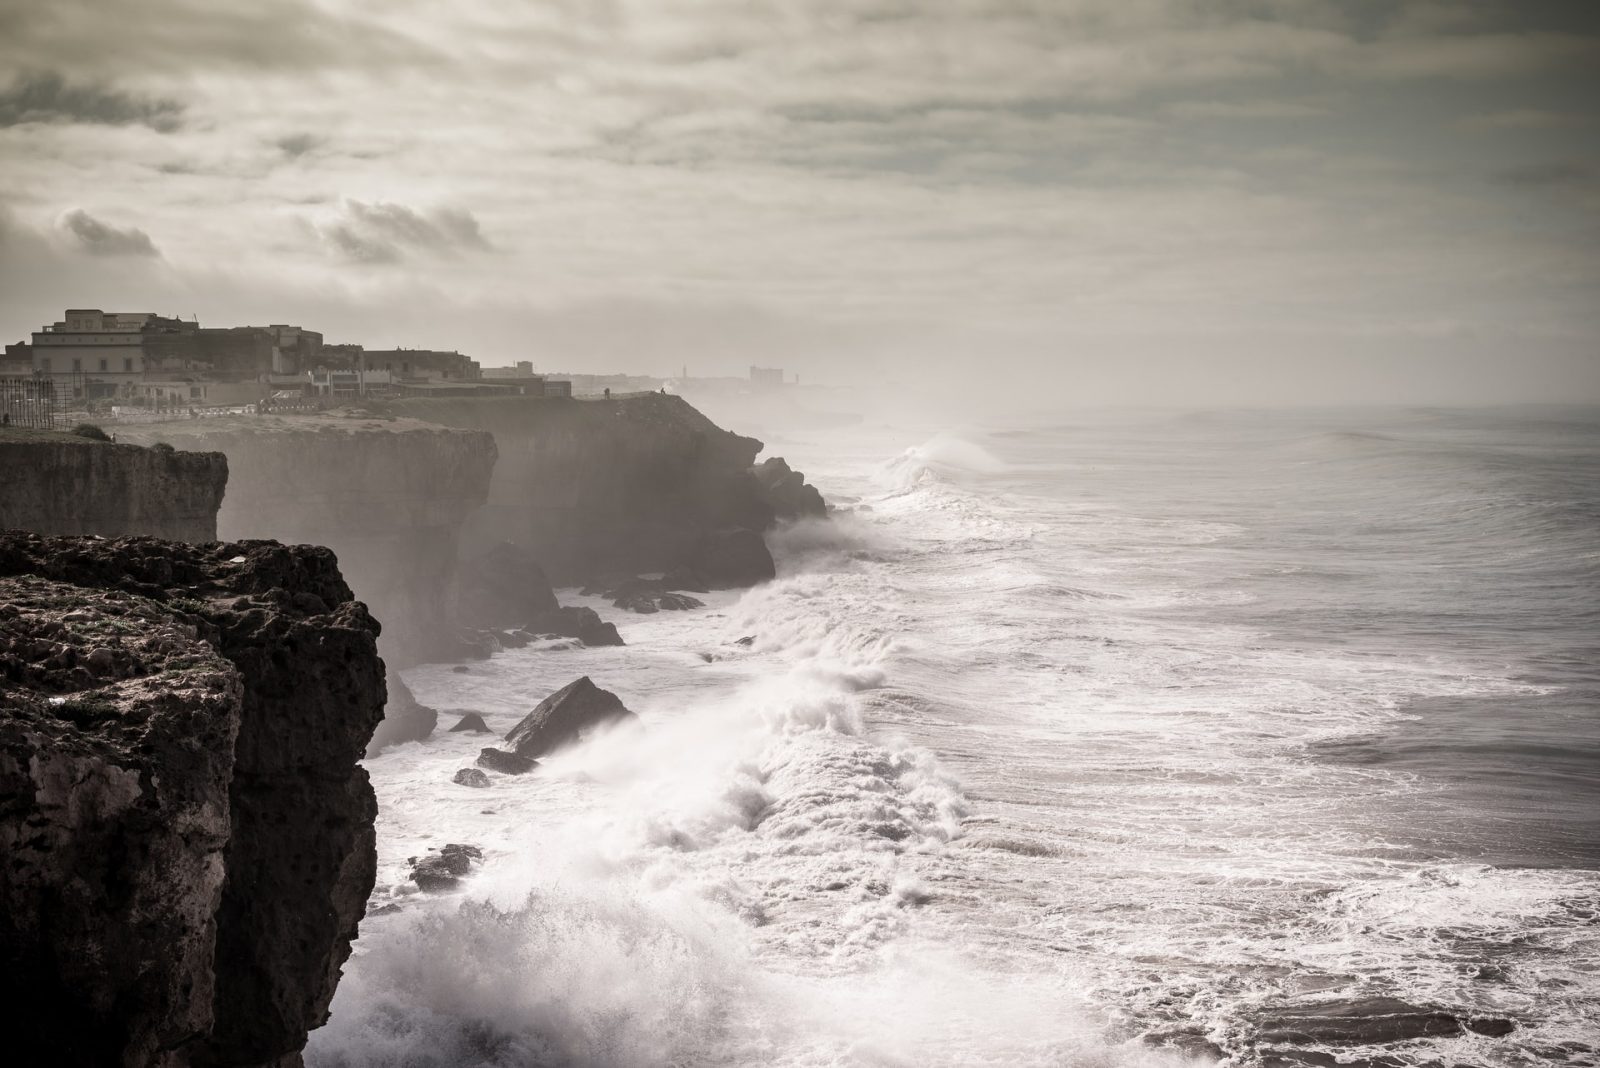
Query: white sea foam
{"x": 1001, "y": 777}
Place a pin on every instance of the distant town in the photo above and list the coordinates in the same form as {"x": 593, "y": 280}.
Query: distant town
{"x": 133, "y": 365}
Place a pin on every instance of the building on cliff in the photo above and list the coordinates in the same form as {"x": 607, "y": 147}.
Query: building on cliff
{"x": 90, "y": 354}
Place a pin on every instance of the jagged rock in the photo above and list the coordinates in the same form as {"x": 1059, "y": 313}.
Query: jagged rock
{"x": 404, "y": 719}
{"x": 443, "y": 870}
{"x": 642, "y": 603}
{"x": 504, "y": 587}
{"x": 566, "y": 716}
{"x": 470, "y": 777}
{"x": 786, "y": 490}
{"x": 678, "y": 602}
{"x": 732, "y": 558}
{"x": 747, "y": 641}
{"x": 472, "y": 722}
{"x": 581, "y": 623}
{"x": 188, "y": 845}
{"x": 507, "y": 763}
{"x": 514, "y": 639}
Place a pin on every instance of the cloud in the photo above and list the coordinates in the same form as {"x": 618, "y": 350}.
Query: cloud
{"x": 51, "y": 98}
{"x": 383, "y": 232}
{"x": 1553, "y": 174}
{"x": 298, "y": 144}
{"x": 101, "y": 239}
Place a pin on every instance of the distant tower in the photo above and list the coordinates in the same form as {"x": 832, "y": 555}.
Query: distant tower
{"x": 685, "y": 372}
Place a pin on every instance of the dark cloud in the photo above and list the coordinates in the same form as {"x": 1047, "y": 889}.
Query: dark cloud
{"x": 382, "y": 232}
{"x": 296, "y": 145}
{"x": 101, "y": 239}
{"x": 49, "y": 97}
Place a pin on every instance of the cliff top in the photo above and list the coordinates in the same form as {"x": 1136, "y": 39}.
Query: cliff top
{"x": 13, "y": 434}
{"x": 335, "y": 421}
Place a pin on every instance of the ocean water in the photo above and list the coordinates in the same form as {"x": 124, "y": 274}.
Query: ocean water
{"x": 1092, "y": 743}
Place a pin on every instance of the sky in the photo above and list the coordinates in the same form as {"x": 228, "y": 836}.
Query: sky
{"x": 1112, "y": 201}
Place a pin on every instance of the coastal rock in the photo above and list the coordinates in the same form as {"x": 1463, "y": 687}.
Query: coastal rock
{"x": 506, "y": 763}
{"x": 581, "y": 623}
{"x": 188, "y": 838}
{"x": 630, "y": 485}
{"x": 470, "y": 777}
{"x": 642, "y": 603}
{"x": 1358, "y": 1021}
{"x": 786, "y": 491}
{"x": 443, "y": 870}
{"x": 566, "y": 716}
{"x": 678, "y": 602}
{"x": 60, "y": 483}
{"x": 503, "y": 587}
{"x": 472, "y": 722}
{"x": 404, "y": 719}
{"x": 733, "y": 558}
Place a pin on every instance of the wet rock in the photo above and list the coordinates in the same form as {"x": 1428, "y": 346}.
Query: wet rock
{"x": 514, "y": 639}
{"x": 566, "y": 716}
{"x": 786, "y": 490}
{"x": 643, "y": 603}
{"x": 506, "y": 763}
{"x": 581, "y": 623}
{"x": 747, "y": 641}
{"x": 1361, "y": 1021}
{"x": 471, "y": 777}
{"x": 461, "y": 669}
{"x": 473, "y": 723}
{"x": 443, "y": 870}
{"x": 404, "y": 719}
{"x": 677, "y": 602}
{"x": 1492, "y": 1026}
{"x": 733, "y": 558}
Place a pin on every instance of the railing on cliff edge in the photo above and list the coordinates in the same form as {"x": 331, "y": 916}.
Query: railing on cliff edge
{"x": 28, "y": 401}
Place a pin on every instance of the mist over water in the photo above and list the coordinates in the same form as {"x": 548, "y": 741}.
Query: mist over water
{"x": 1061, "y": 742}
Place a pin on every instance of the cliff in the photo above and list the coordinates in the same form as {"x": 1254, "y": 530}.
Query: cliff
{"x": 388, "y": 496}
{"x": 188, "y": 838}
{"x": 59, "y": 483}
{"x": 596, "y": 488}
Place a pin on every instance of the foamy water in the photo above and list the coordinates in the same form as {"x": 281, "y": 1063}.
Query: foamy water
{"x": 1059, "y": 744}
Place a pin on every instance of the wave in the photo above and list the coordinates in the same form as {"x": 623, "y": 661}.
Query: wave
{"x": 942, "y": 458}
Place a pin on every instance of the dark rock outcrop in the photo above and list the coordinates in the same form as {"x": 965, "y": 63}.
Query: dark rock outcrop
{"x": 472, "y": 722}
{"x": 404, "y": 719}
{"x": 188, "y": 836}
{"x": 470, "y": 777}
{"x": 628, "y": 485}
{"x": 1361, "y": 1022}
{"x": 583, "y": 624}
{"x": 503, "y": 587}
{"x": 443, "y": 870}
{"x": 566, "y": 716}
{"x": 58, "y": 483}
{"x": 736, "y": 557}
{"x": 786, "y": 491}
{"x": 506, "y": 763}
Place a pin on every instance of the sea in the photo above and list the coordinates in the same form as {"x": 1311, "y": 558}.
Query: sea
{"x": 1097, "y": 740}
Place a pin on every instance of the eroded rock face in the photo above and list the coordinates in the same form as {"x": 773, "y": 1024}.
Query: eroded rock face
{"x": 504, "y": 587}
{"x": 786, "y": 490}
{"x": 628, "y": 485}
{"x": 189, "y": 839}
{"x": 566, "y": 716}
{"x": 390, "y": 497}
{"x": 58, "y": 483}
{"x": 405, "y": 719}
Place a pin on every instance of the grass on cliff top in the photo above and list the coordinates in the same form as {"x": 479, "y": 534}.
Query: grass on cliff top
{"x": 28, "y": 434}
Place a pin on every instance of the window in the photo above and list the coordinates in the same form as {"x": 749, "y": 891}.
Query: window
{"x": 127, "y": 364}
{"x": 102, "y": 365}
{"x": 77, "y": 364}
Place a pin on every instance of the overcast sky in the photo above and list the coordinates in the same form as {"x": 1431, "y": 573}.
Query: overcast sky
{"x": 1141, "y": 199}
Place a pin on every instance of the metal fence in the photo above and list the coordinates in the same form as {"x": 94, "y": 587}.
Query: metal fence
{"x": 28, "y": 401}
